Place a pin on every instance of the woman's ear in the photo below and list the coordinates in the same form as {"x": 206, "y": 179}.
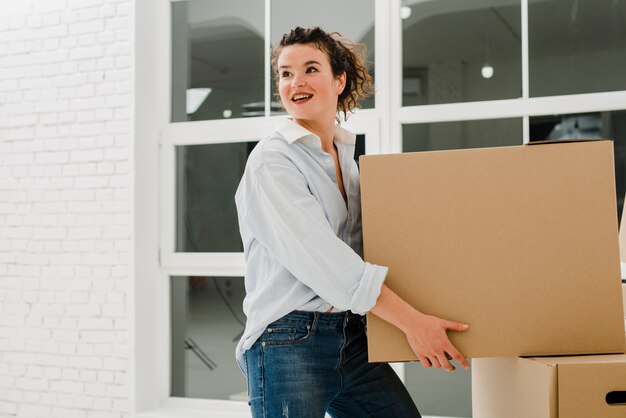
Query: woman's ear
{"x": 341, "y": 83}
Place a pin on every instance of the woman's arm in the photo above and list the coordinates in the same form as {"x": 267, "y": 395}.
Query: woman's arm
{"x": 426, "y": 334}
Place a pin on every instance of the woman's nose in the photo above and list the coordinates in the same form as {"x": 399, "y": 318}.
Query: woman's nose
{"x": 297, "y": 81}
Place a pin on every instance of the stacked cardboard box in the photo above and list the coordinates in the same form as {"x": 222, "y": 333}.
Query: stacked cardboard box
{"x": 550, "y": 387}
{"x": 519, "y": 242}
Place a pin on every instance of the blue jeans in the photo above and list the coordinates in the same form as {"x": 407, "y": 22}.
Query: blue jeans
{"x": 309, "y": 363}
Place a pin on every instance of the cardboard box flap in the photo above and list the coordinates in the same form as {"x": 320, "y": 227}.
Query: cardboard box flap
{"x": 592, "y": 359}
{"x": 567, "y": 141}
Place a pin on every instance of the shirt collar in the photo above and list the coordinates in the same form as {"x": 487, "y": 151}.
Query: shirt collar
{"x": 292, "y": 132}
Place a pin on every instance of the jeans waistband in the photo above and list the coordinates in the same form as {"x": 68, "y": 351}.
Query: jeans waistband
{"x": 323, "y": 318}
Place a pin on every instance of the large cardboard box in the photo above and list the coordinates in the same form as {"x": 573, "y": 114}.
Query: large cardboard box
{"x": 622, "y": 253}
{"x": 519, "y": 242}
{"x": 557, "y": 387}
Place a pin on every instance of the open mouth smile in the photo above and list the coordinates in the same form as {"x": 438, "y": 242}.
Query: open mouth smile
{"x": 300, "y": 98}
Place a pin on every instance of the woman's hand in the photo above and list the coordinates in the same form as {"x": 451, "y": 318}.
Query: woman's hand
{"x": 429, "y": 341}
{"x": 426, "y": 334}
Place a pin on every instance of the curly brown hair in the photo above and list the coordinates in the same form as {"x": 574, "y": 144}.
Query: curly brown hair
{"x": 344, "y": 56}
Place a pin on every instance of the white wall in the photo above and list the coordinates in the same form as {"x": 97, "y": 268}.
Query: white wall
{"x": 66, "y": 207}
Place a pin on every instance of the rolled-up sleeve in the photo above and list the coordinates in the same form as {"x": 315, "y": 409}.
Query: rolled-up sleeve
{"x": 288, "y": 220}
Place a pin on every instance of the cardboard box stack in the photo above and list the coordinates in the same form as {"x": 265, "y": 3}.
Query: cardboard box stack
{"x": 522, "y": 244}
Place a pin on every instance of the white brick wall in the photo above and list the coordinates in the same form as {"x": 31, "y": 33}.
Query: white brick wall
{"x": 65, "y": 207}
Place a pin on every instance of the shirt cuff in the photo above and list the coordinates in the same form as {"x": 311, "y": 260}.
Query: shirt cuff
{"x": 366, "y": 293}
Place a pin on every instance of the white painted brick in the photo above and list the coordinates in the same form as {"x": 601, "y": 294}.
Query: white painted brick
{"x": 31, "y": 384}
{"x": 48, "y": 7}
{"x": 53, "y": 373}
{"x": 114, "y": 311}
{"x": 50, "y": 44}
{"x": 67, "y": 349}
{"x": 83, "y": 402}
{"x": 51, "y": 360}
{"x": 51, "y": 69}
{"x": 83, "y": 310}
{"x": 97, "y": 297}
{"x": 97, "y": 337}
{"x": 52, "y": 157}
{"x": 88, "y": 14}
{"x": 67, "y": 412}
{"x": 17, "y": 370}
{"x": 8, "y": 408}
{"x": 81, "y": 4}
{"x": 60, "y": 335}
{"x": 106, "y": 89}
{"x": 86, "y": 362}
{"x": 85, "y": 350}
{"x": 91, "y": 182}
{"x": 66, "y": 387}
{"x": 87, "y": 155}
{"x": 87, "y": 103}
{"x": 100, "y": 414}
{"x": 47, "y": 398}
{"x": 70, "y": 374}
{"x": 81, "y": 28}
{"x": 34, "y": 411}
{"x": 89, "y": 376}
{"x": 31, "y": 397}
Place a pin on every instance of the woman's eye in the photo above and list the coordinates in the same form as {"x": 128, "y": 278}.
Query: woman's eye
{"x": 311, "y": 70}
{"x": 285, "y": 74}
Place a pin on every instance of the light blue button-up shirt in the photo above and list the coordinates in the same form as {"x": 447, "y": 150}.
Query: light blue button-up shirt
{"x": 303, "y": 246}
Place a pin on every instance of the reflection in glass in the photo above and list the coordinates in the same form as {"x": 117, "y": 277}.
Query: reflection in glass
{"x": 605, "y": 125}
{"x": 576, "y": 46}
{"x": 466, "y": 134}
{"x": 330, "y": 15}
{"x": 217, "y": 58}
{"x": 459, "y": 51}
{"x": 206, "y": 181}
{"x": 438, "y": 393}
{"x": 207, "y": 321}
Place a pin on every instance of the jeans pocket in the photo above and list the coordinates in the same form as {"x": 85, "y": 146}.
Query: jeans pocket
{"x": 283, "y": 334}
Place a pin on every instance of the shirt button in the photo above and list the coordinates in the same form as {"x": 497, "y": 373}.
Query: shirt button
{"x": 328, "y": 161}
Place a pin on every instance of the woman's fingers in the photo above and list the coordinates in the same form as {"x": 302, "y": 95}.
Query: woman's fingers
{"x": 455, "y": 326}
{"x": 460, "y": 358}
{"x": 435, "y": 362}
{"x": 425, "y": 362}
{"x": 445, "y": 363}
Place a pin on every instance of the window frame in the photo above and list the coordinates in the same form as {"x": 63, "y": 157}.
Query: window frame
{"x": 381, "y": 125}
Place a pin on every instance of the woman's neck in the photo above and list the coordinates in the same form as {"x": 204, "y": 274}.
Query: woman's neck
{"x": 324, "y": 130}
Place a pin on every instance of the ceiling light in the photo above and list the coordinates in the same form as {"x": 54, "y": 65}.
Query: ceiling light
{"x": 405, "y": 12}
{"x": 487, "y": 71}
{"x": 195, "y": 98}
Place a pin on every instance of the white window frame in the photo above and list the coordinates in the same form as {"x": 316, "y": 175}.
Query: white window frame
{"x": 157, "y": 138}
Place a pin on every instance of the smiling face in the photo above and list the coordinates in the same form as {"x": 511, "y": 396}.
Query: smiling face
{"x": 306, "y": 83}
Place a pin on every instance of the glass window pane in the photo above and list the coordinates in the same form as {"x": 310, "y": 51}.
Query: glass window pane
{"x": 217, "y": 59}
{"x": 608, "y": 125}
{"x": 331, "y": 16}
{"x": 576, "y": 46}
{"x": 438, "y": 393}
{"x": 207, "y": 177}
{"x": 206, "y": 322}
{"x": 459, "y": 51}
{"x": 465, "y": 134}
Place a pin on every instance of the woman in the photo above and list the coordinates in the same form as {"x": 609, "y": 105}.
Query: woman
{"x": 304, "y": 349}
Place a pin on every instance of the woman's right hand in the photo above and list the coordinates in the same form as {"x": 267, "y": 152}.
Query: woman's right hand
{"x": 428, "y": 338}
{"x": 426, "y": 334}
